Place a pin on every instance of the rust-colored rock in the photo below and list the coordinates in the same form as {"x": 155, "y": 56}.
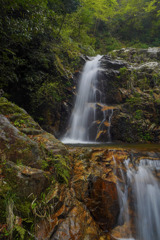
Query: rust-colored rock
{"x": 78, "y": 225}
{"x": 102, "y": 201}
{"x": 94, "y": 183}
{"x": 70, "y": 221}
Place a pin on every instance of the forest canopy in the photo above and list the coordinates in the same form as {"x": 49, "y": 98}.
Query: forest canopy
{"x": 42, "y": 40}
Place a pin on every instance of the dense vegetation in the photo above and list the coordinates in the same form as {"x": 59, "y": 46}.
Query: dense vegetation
{"x": 42, "y": 40}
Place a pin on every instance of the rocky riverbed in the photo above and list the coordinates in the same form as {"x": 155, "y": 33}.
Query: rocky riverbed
{"x": 52, "y": 191}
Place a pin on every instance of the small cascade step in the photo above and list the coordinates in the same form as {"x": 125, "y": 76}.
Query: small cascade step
{"x": 104, "y": 125}
{"x": 139, "y": 195}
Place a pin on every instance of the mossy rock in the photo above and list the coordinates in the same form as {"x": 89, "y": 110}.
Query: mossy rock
{"x": 17, "y": 146}
{"x": 25, "y": 180}
{"x": 7, "y": 107}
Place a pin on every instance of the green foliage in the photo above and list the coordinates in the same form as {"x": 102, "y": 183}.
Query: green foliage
{"x": 61, "y": 167}
{"x": 20, "y": 232}
{"x": 144, "y": 83}
{"x": 138, "y": 114}
{"x": 123, "y": 71}
{"x": 139, "y": 21}
{"x": 41, "y": 42}
{"x": 19, "y": 123}
{"x": 58, "y": 164}
{"x": 157, "y": 101}
{"x": 145, "y": 136}
{"x": 63, "y": 6}
{"x": 49, "y": 93}
{"x": 136, "y": 100}
{"x": 156, "y": 79}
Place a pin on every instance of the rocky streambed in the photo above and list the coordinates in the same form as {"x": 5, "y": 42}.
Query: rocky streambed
{"x": 90, "y": 206}
{"x": 52, "y": 191}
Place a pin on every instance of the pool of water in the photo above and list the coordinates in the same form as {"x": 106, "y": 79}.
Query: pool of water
{"x": 111, "y": 145}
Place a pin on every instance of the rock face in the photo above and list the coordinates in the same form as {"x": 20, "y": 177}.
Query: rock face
{"x": 95, "y": 185}
{"x": 130, "y": 84}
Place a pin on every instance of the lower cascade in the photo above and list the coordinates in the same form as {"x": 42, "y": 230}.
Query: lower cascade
{"x": 90, "y": 114}
{"x": 139, "y": 201}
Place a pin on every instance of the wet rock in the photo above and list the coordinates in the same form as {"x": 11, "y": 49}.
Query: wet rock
{"x": 78, "y": 225}
{"x": 52, "y": 144}
{"x": 16, "y": 146}
{"x": 134, "y": 89}
{"x": 25, "y": 180}
{"x": 71, "y": 220}
{"x": 21, "y": 135}
{"x": 102, "y": 201}
{"x": 108, "y": 63}
{"x": 94, "y": 184}
{"x": 31, "y": 131}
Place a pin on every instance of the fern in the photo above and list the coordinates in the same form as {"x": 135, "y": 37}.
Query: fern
{"x": 21, "y": 231}
{"x": 61, "y": 167}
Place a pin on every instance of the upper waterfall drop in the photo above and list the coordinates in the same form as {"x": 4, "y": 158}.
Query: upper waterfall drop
{"x": 83, "y": 113}
{"x": 84, "y": 125}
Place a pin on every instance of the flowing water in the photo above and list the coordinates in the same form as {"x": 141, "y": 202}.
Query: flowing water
{"x": 139, "y": 189}
{"x": 82, "y": 124}
{"x": 145, "y": 190}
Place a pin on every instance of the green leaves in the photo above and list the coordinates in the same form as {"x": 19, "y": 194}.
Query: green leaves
{"x": 150, "y": 6}
{"x": 49, "y": 92}
{"x": 101, "y": 9}
{"x": 62, "y": 169}
{"x": 21, "y": 231}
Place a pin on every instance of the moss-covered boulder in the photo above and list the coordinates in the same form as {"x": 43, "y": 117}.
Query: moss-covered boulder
{"x": 16, "y": 146}
{"x": 26, "y": 180}
{"x": 32, "y": 161}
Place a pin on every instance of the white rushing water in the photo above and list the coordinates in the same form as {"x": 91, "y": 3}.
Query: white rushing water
{"x": 146, "y": 195}
{"x": 84, "y": 112}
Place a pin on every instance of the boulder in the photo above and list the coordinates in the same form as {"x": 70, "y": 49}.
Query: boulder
{"x": 16, "y": 146}
{"x": 24, "y": 180}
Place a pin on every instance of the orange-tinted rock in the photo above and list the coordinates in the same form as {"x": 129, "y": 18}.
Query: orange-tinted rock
{"x": 102, "y": 201}
{"x": 71, "y": 221}
{"x": 77, "y": 226}
{"x": 94, "y": 183}
{"x": 124, "y": 231}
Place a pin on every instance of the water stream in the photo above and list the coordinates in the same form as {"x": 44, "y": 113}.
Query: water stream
{"x": 143, "y": 187}
{"x": 83, "y": 121}
{"x": 137, "y": 183}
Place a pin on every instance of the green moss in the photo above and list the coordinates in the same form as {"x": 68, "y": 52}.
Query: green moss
{"x": 144, "y": 83}
{"x": 145, "y": 136}
{"x": 138, "y": 114}
{"x": 134, "y": 100}
{"x": 123, "y": 71}
{"x": 19, "y": 123}
{"x": 157, "y": 101}
{"x": 58, "y": 164}
{"x": 156, "y": 78}
{"x": 7, "y": 107}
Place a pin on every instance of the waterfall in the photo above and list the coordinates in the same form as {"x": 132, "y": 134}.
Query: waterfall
{"x": 145, "y": 191}
{"x": 82, "y": 125}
